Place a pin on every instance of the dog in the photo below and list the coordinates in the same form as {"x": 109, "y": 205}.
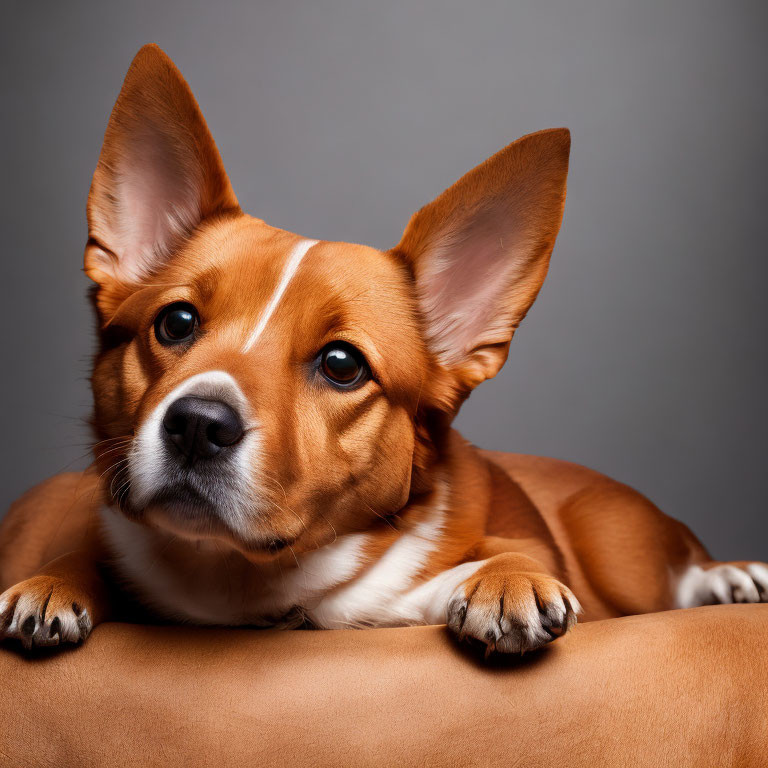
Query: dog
{"x": 273, "y": 419}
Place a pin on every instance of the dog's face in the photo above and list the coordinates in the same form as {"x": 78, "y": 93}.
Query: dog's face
{"x": 270, "y": 391}
{"x": 269, "y": 395}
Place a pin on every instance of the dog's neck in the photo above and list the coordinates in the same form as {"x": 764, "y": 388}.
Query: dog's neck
{"x": 334, "y": 585}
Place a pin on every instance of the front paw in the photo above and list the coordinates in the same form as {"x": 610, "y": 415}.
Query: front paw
{"x": 511, "y": 612}
{"x": 44, "y": 611}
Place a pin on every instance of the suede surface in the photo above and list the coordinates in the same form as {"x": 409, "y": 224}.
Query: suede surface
{"x": 683, "y": 688}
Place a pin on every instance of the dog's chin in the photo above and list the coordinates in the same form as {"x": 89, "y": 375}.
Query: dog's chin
{"x": 187, "y": 514}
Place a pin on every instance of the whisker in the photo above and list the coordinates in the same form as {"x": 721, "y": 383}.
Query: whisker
{"x": 335, "y": 534}
{"x": 111, "y": 450}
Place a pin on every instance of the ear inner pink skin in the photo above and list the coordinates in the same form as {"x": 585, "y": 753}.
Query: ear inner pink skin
{"x": 159, "y": 204}
{"x": 480, "y": 252}
{"x": 158, "y": 176}
{"x": 471, "y": 267}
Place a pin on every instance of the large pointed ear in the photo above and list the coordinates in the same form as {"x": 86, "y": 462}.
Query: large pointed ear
{"x": 479, "y": 253}
{"x": 158, "y": 176}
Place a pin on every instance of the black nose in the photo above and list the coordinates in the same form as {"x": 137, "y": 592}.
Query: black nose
{"x": 201, "y": 428}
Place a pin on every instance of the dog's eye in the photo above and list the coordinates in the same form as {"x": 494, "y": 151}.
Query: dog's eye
{"x": 176, "y": 323}
{"x": 343, "y": 365}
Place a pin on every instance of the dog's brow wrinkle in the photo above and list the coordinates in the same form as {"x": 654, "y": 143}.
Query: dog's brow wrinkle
{"x": 208, "y": 283}
{"x": 289, "y": 270}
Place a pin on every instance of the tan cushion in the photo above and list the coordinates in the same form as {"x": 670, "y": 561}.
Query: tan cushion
{"x": 676, "y": 688}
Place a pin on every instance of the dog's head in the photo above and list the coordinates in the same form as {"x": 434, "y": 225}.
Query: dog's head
{"x": 264, "y": 389}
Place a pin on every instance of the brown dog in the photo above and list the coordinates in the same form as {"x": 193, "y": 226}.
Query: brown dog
{"x": 273, "y": 417}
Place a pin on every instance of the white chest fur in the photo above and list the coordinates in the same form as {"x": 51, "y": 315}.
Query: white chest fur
{"x": 332, "y": 586}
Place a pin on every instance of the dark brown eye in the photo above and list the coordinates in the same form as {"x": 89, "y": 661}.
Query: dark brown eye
{"x": 176, "y": 323}
{"x": 343, "y": 365}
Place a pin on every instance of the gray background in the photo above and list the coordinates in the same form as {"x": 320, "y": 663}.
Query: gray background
{"x": 645, "y": 356}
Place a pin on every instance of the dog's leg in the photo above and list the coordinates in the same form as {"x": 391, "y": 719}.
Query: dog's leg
{"x": 60, "y": 604}
{"x": 507, "y": 602}
{"x": 639, "y": 560}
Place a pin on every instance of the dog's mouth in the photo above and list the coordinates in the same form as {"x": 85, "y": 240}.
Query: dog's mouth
{"x": 188, "y": 509}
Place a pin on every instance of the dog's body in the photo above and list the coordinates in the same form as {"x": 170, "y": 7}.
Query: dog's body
{"x": 274, "y": 412}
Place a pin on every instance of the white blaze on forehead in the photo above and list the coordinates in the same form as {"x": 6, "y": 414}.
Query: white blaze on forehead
{"x": 289, "y": 270}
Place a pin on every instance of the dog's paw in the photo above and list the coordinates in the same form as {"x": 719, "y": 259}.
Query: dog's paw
{"x": 511, "y": 612}
{"x": 44, "y": 611}
{"x": 723, "y": 583}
